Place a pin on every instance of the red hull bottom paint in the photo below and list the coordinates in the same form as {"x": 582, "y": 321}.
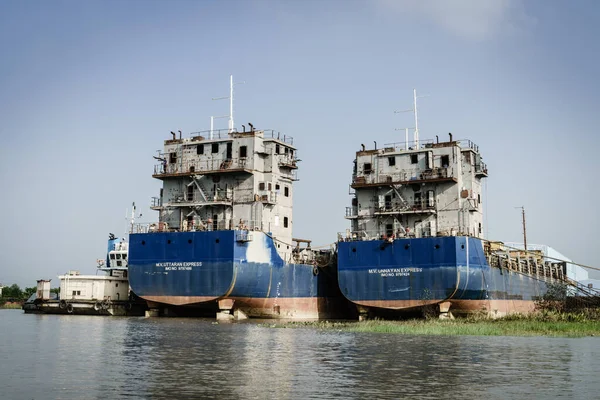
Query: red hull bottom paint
{"x": 493, "y": 308}
{"x": 179, "y": 300}
{"x": 397, "y": 304}
{"x": 292, "y": 307}
{"x": 276, "y": 308}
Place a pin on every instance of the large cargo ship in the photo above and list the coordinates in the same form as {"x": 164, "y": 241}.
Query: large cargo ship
{"x": 416, "y": 236}
{"x": 223, "y": 241}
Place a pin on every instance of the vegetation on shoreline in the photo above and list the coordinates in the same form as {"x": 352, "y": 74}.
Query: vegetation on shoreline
{"x": 538, "y": 324}
{"x": 10, "y": 306}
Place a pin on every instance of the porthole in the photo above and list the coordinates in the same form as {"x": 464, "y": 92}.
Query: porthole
{"x": 406, "y": 246}
{"x": 354, "y": 249}
{"x": 143, "y": 242}
{"x": 217, "y": 241}
{"x": 462, "y": 246}
{"x": 190, "y": 241}
{"x": 437, "y": 246}
{"x": 169, "y": 241}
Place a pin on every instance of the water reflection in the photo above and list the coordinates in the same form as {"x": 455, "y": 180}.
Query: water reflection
{"x": 96, "y": 357}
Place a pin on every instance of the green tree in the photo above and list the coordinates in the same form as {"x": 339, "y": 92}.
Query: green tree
{"x": 29, "y": 291}
{"x": 12, "y": 292}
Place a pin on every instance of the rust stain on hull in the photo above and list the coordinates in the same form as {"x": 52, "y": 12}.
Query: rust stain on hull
{"x": 180, "y": 300}
{"x": 493, "y": 307}
{"x": 291, "y": 307}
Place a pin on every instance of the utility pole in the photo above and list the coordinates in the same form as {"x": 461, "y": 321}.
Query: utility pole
{"x": 524, "y": 229}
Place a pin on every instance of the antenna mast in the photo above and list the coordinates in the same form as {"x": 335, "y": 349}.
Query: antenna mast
{"x": 230, "y": 97}
{"x": 416, "y": 128}
{"x": 416, "y": 119}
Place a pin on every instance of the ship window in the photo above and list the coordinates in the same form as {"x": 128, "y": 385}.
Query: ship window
{"x": 112, "y": 256}
{"x": 291, "y": 153}
{"x": 190, "y": 193}
{"x": 286, "y": 191}
{"x": 215, "y": 148}
{"x": 270, "y": 186}
{"x": 276, "y": 149}
{"x": 445, "y": 161}
{"x": 389, "y": 230}
{"x": 480, "y": 227}
{"x": 243, "y": 151}
{"x": 116, "y": 285}
{"x": 285, "y": 222}
{"x": 414, "y": 158}
{"x": 172, "y": 158}
{"x": 277, "y": 186}
{"x": 216, "y": 179}
{"x": 367, "y": 168}
{"x": 391, "y": 161}
{"x": 118, "y": 256}
{"x": 478, "y": 198}
{"x": 261, "y": 186}
{"x": 286, "y": 150}
{"x": 200, "y": 149}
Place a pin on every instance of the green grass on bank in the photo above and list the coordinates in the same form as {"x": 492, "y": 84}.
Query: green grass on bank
{"x": 10, "y": 306}
{"x": 563, "y": 325}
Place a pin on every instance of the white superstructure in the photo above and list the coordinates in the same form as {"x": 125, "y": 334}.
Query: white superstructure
{"x": 418, "y": 189}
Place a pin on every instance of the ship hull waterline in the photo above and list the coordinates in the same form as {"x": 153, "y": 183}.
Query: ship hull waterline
{"x": 208, "y": 270}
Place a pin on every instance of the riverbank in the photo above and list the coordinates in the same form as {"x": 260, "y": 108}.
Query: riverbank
{"x": 11, "y": 306}
{"x": 553, "y": 325}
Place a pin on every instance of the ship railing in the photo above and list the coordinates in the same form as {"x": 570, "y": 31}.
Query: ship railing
{"x": 481, "y": 168}
{"x": 220, "y": 196}
{"x": 428, "y": 144}
{"x": 201, "y": 166}
{"x": 211, "y": 135}
{"x": 532, "y": 265}
{"x": 410, "y": 145}
{"x": 352, "y": 211}
{"x": 405, "y": 176}
{"x": 467, "y": 143}
{"x": 226, "y": 133}
{"x": 270, "y": 133}
{"x": 425, "y": 204}
{"x": 288, "y": 160}
{"x": 364, "y": 235}
{"x": 195, "y": 224}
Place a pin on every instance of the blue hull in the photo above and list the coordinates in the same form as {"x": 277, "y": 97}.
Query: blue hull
{"x": 208, "y": 268}
{"x": 412, "y": 273}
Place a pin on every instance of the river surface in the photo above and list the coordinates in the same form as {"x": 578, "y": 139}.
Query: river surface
{"x": 80, "y": 357}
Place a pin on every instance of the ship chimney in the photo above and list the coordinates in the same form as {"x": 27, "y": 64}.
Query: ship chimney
{"x": 174, "y": 135}
{"x": 179, "y": 134}
{"x": 243, "y": 128}
{"x": 363, "y": 147}
{"x": 437, "y": 139}
{"x": 251, "y": 127}
{"x": 450, "y": 133}
{"x": 375, "y": 144}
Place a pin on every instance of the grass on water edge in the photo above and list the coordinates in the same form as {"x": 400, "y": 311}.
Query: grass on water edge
{"x": 544, "y": 324}
{"x": 10, "y": 306}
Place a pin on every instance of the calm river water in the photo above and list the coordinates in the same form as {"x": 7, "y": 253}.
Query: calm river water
{"x": 67, "y": 357}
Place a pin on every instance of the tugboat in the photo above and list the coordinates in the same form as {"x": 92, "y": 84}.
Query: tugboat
{"x": 105, "y": 294}
{"x": 223, "y": 241}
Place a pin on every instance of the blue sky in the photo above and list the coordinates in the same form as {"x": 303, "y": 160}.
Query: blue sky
{"x": 91, "y": 89}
